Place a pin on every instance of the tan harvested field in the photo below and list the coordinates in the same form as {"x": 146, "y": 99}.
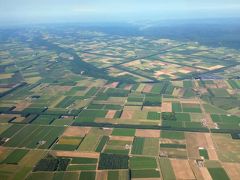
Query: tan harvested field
{"x": 76, "y": 154}
{"x": 107, "y": 102}
{"x": 22, "y": 105}
{"x": 32, "y": 157}
{"x": 15, "y": 117}
{"x": 6, "y": 76}
{"x": 215, "y": 67}
{"x": 227, "y": 148}
{"x": 222, "y": 84}
{"x": 76, "y": 131}
{"x": 201, "y": 173}
{"x": 112, "y": 85}
{"x": 186, "y": 70}
{"x": 152, "y": 108}
{"x": 211, "y": 86}
{"x": 2, "y": 150}
{"x": 210, "y": 147}
{"x": 233, "y": 170}
{"x": 147, "y": 133}
{"x": 128, "y": 87}
{"x": 110, "y": 114}
{"x": 140, "y": 88}
{"x": 194, "y": 141}
{"x": 3, "y": 89}
{"x": 102, "y": 175}
{"x": 19, "y": 118}
{"x": 188, "y": 102}
{"x": 132, "y": 108}
{"x": 176, "y": 91}
{"x": 172, "y": 141}
{"x": 2, "y": 116}
{"x": 166, "y": 107}
{"x": 117, "y": 100}
{"x": 133, "y": 63}
{"x": 127, "y": 114}
{"x": 57, "y": 88}
{"x": 147, "y": 88}
{"x": 122, "y": 138}
{"x": 182, "y": 169}
{"x": 205, "y": 173}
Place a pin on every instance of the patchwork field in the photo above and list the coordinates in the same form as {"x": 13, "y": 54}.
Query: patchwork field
{"x": 92, "y": 106}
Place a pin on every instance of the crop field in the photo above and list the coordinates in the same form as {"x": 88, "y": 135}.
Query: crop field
{"x": 143, "y": 163}
{"x": 166, "y": 169}
{"x": 123, "y": 132}
{"x": 172, "y": 135}
{"x": 15, "y": 156}
{"x": 93, "y": 106}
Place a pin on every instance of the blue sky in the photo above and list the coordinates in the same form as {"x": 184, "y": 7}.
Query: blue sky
{"x": 17, "y": 11}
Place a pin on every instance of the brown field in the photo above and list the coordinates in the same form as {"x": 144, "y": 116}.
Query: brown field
{"x": 182, "y": 169}
{"x": 76, "y": 131}
{"x": 57, "y": 88}
{"x": 152, "y": 108}
{"x": 2, "y": 150}
{"x": 132, "y": 108}
{"x": 205, "y": 173}
{"x": 233, "y": 170}
{"x": 126, "y": 114}
{"x": 227, "y": 148}
{"x": 210, "y": 147}
{"x": 121, "y": 138}
{"x": 102, "y": 175}
{"x": 221, "y": 84}
{"x": 147, "y": 133}
{"x": 110, "y": 114}
{"x": 22, "y": 105}
{"x": 117, "y": 100}
{"x": 215, "y": 67}
{"x": 140, "y": 87}
{"x": 112, "y": 85}
{"x": 133, "y": 63}
{"x": 176, "y": 91}
{"x": 14, "y": 117}
{"x": 172, "y": 141}
{"x": 181, "y": 92}
{"x": 19, "y": 118}
{"x": 147, "y": 88}
{"x": 196, "y": 140}
{"x": 211, "y": 86}
{"x": 10, "y": 116}
{"x": 201, "y": 173}
{"x": 76, "y": 154}
{"x": 189, "y": 102}
{"x": 105, "y": 120}
{"x": 128, "y": 87}
{"x": 166, "y": 107}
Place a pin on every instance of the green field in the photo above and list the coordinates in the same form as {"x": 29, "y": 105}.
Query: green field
{"x": 172, "y": 135}
{"x": 123, "y": 132}
{"x": 15, "y": 156}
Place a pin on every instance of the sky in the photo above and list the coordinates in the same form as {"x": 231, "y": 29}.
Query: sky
{"x": 38, "y": 11}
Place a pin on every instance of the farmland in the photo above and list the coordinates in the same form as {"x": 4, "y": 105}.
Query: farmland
{"x": 81, "y": 104}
